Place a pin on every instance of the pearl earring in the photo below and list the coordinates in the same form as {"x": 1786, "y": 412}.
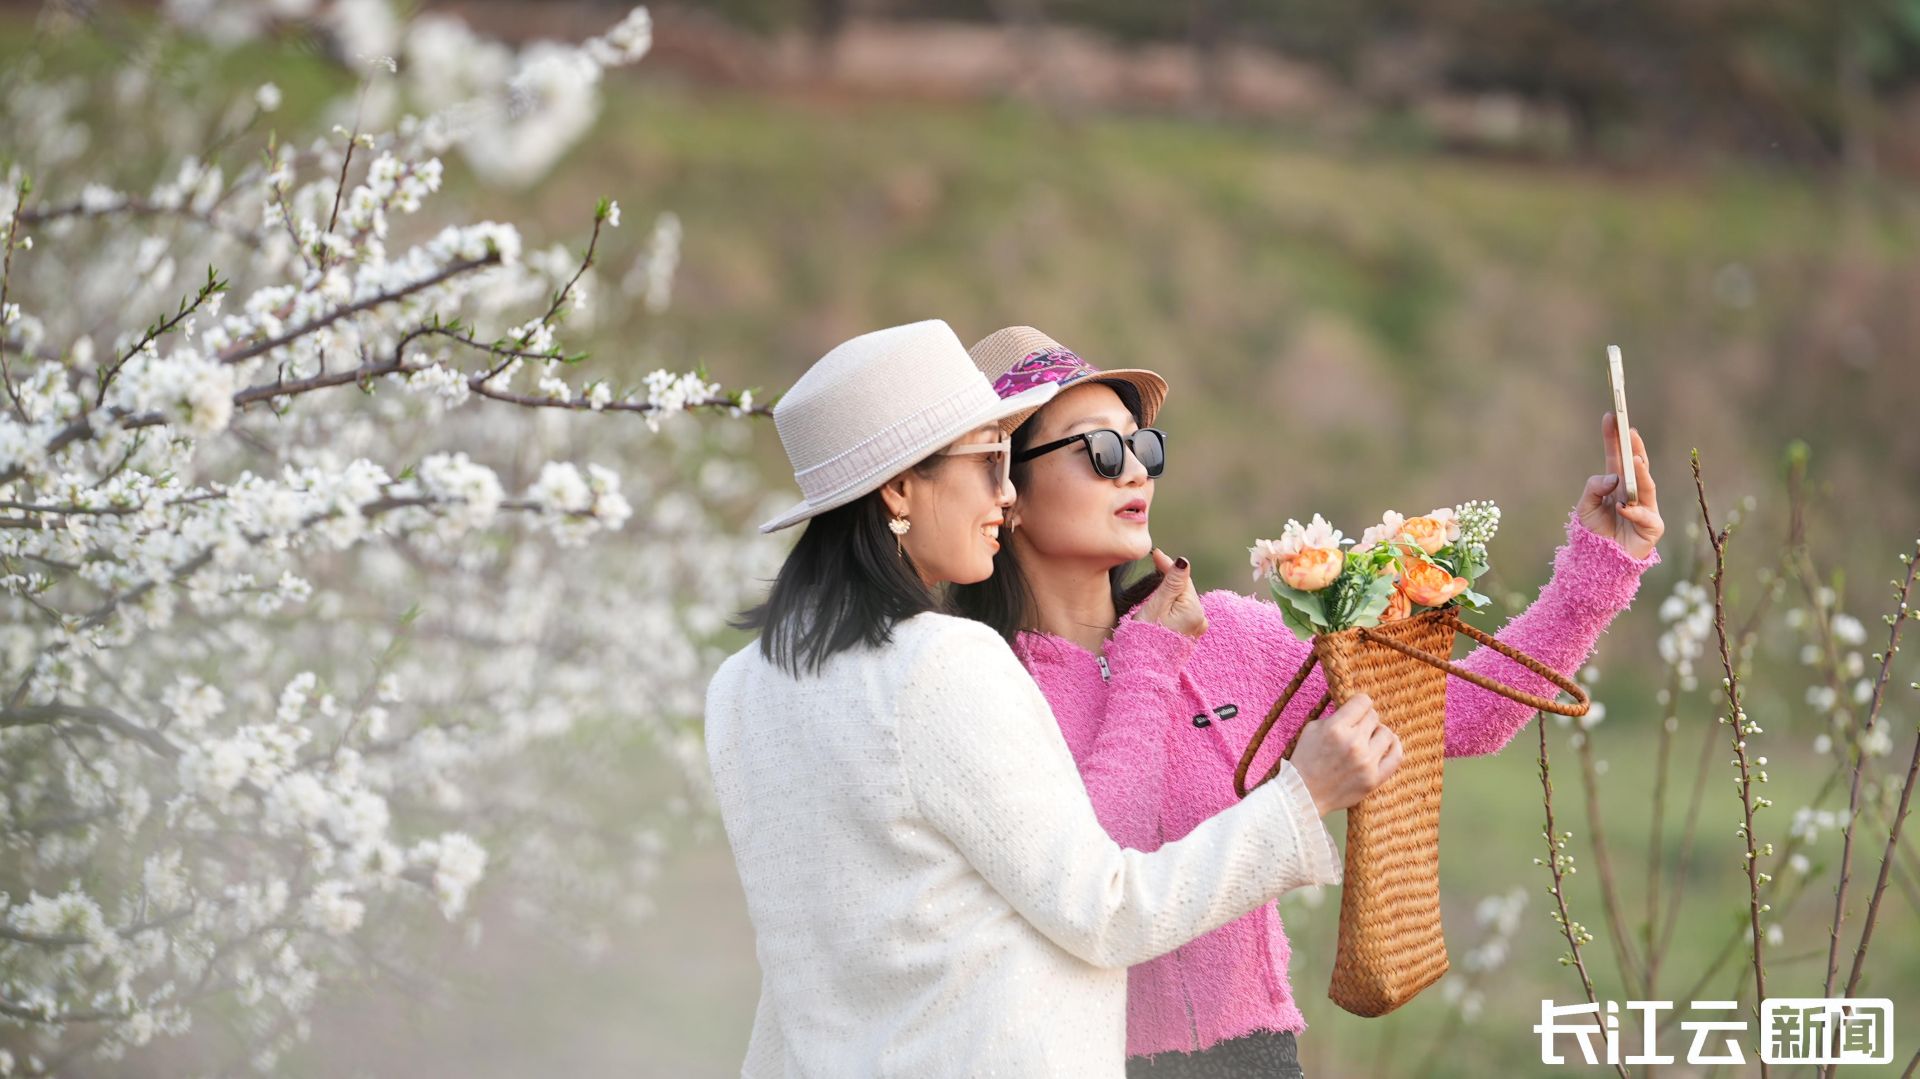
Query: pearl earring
{"x": 899, "y": 526}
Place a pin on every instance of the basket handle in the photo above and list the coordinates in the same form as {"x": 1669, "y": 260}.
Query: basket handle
{"x": 1532, "y": 700}
{"x": 1260, "y": 736}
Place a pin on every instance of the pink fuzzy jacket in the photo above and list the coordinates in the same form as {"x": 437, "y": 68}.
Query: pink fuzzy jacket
{"x": 1157, "y": 745}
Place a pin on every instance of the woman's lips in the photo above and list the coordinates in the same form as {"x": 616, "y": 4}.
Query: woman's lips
{"x": 1135, "y": 510}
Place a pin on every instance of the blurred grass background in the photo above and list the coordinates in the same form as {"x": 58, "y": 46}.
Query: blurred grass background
{"x": 1348, "y": 325}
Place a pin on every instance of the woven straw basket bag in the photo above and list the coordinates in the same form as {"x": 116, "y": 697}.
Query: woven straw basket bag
{"x": 1391, "y": 945}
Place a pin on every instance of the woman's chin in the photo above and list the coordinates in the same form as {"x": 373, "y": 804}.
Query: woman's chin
{"x": 974, "y": 574}
{"x": 1135, "y": 546}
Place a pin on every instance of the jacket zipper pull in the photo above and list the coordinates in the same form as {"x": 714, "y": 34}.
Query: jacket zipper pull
{"x": 1106, "y": 675}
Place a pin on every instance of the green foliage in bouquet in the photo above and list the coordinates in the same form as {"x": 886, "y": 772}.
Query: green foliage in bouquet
{"x": 1398, "y": 568}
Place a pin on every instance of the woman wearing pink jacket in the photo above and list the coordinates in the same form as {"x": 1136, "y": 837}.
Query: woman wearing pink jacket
{"x": 1158, "y": 706}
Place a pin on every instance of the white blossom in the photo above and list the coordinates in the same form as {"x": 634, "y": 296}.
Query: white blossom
{"x": 1688, "y": 610}
{"x": 668, "y": 393}
{"x": 626, "y": 43}
{"x": 367, "y": 29}
{"x": 562, "y": 487}
{"x": 1809, "y": 822}
{"x": 1877, "y": 740}
{"x": 457, "y": 863}
{"x": 99, "y": 198}
{"x": 333, "y": 910}
{"x": 441, "y": 381}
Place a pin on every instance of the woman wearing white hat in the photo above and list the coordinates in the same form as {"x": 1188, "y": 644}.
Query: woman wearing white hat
{"x": 931, "y": 892}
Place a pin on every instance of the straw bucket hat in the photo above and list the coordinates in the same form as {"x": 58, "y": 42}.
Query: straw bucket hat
{"x": 1019, "y": 358}
{"x": 879, "y": 403}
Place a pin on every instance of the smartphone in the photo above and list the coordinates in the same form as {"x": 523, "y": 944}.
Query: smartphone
{"x": 1627, "y": 471}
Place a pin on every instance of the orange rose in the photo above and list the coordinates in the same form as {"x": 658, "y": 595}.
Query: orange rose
{"x": 1429, "y": 585}
{"x": 1429, "y": 532}
{"x": 1313, "y": 568}
{"x": 1398, "y": 607}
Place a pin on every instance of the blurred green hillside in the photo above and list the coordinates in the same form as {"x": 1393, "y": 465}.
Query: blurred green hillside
{"x": 1345, "y": 330}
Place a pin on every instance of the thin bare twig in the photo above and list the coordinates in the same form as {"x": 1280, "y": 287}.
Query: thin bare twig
{"x": 1696, "y": 799}
{"x": 1556, "y": 863}
{"x": 35, "y": 715}
{"x": 139, "y": 207}
{"x": 73, "y": 940}
{"x": 158, "y": 330}
{"x": 1742, "y": 726}
{"x": 509, "y": 353}
{"x": 1895, "y": 621}
{"x": 1731, "y": 944}
{"x": 340, "y": 189}
{"x": 241, "y": 353}
{"x": 1796, "y": 530}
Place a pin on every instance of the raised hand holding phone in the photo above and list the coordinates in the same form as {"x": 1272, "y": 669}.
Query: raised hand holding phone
{"x": 1607, "y": 506}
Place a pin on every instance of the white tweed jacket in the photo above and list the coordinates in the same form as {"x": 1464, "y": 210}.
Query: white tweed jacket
{"x": 931, "y": 893}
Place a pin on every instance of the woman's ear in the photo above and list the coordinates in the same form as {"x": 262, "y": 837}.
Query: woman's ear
{"x": 894, "y": 494}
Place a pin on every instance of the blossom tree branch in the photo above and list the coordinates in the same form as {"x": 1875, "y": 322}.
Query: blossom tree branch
{"x": 1750, "y": 803}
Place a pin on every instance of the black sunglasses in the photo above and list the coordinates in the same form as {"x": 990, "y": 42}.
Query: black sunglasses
{"x": 1106, "y": 448}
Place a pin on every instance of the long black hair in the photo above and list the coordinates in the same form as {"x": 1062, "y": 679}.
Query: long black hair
{"x": 1005, "y": 600}
{"x": 845, "y": 583}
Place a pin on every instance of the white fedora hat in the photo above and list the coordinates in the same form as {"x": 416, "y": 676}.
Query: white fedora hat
{"x": 879, "y": 403}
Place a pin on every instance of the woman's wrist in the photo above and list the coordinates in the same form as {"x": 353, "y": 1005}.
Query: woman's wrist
{"x": 1596, "y": 570}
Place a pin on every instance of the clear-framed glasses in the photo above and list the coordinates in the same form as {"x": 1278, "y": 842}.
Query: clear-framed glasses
{"x": 1105, "y": 447}
{"x": 1000, "y": 465}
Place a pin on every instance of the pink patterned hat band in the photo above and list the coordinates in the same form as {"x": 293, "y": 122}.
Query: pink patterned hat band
{"x": 1056, "y": 365}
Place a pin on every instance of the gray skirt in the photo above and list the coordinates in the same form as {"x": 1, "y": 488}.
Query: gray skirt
{"x": 1263, "y": 1054}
